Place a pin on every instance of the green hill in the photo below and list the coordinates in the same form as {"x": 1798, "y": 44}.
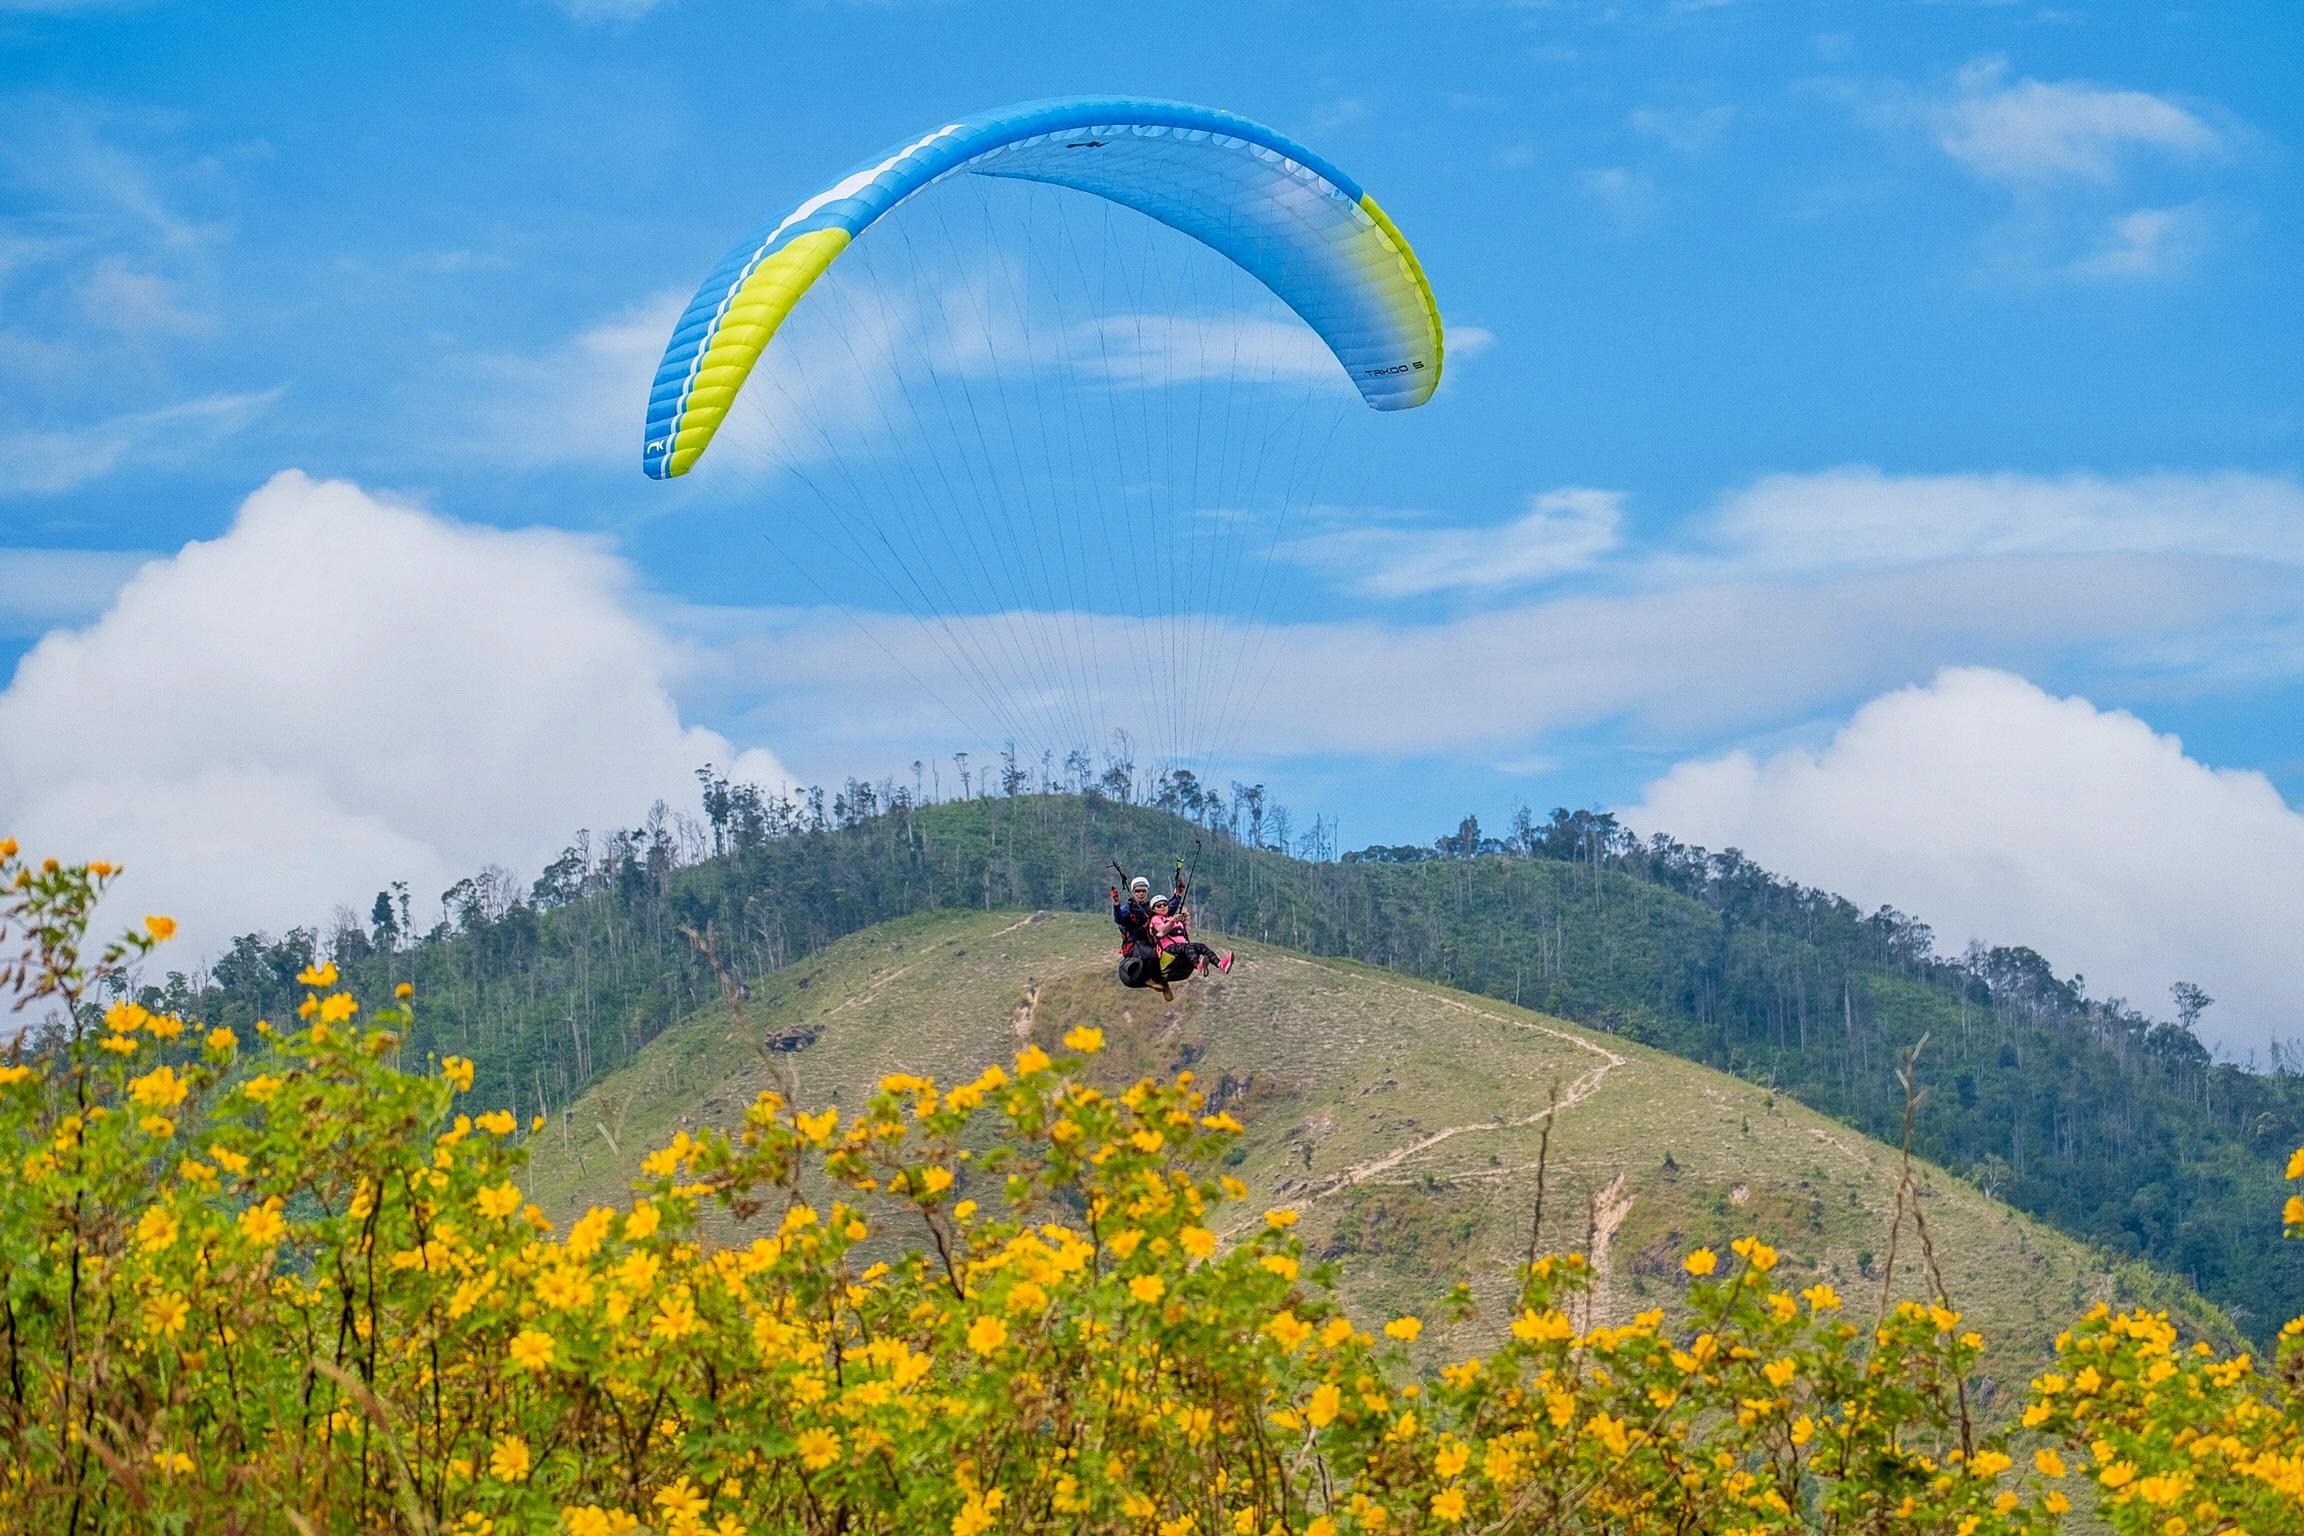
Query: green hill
{"x": 1403, "y": 1119}
{"x": 2078, "y": 1110}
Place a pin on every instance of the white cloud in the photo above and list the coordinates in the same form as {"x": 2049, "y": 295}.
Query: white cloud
{"x": 340, "y": 691}
{"x": 1855, "y": 517}
{"x": 1995, "y": 811}
{"x": 2150, "y": 242}
{"x": 2035, "y": 132}
{"x": 2065, "y": 153}
{"x": 1671, "y": 667}
{"x": 1806, "y": 593}
{"x": 42, "y": 462}
{"x": 1844, "y": 520}
{"x": 1562, "y": 531}
{"x": 1468, "y": 341}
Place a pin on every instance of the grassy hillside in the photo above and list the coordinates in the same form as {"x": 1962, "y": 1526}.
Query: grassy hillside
{"x": 1401, "y": 1118}
{"x": 2078, "y": 1110}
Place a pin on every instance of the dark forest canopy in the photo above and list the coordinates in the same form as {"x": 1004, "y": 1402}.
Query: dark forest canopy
{"x": 2121, "y": 1128}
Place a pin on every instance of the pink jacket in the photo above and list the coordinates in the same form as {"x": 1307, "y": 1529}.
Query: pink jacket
{"x": 1169, "y": 930}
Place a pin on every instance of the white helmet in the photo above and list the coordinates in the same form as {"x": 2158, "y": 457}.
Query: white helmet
{"x": 1139, "y": 886}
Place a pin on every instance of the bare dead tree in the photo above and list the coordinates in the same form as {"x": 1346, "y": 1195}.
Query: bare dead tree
{"x": 1543, "y": 1164}
{"x": 1908, "y": 1198}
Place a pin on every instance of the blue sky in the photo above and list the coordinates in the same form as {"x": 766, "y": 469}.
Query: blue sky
{"x": 1852, "y": 343}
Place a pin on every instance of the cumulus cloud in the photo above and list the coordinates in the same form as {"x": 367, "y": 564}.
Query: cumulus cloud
{"x": 2037, "y": 132}
{"x": 340, "y": 691}
{"x": 1562, "y": 531}
{"x": 1996, "y": 811}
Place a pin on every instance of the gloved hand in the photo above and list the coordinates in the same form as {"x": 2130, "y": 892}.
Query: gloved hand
{"x": 1115, "y": 895}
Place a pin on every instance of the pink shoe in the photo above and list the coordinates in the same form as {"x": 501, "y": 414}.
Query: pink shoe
{"x": 1225, "y": 965}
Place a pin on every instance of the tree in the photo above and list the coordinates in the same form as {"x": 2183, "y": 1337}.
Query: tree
{"x": 348, "y": 942}
{"x": 387, "y": 927}
{"x": 716, "y": 805}
{"x": 563, "y": 878}
{"x": 2191, "y": 1002}
{"x": 1248, "y": 801}
{"x": 1179, "y": 793}
{"x": 1119, "y": 779}
{"x": 1463, "y": 843}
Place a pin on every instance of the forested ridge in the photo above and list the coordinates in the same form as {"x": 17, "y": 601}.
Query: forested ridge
{"x": 2085, "y": 1111}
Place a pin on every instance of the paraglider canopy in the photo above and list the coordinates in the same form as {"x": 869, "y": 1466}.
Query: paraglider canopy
{"x": 1283, "y": 214}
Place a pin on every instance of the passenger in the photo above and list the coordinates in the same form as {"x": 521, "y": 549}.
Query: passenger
{"x": 1171, "y": 930}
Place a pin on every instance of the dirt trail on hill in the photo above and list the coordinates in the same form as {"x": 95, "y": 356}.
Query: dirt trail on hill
{"x": 1578, "y": 1091}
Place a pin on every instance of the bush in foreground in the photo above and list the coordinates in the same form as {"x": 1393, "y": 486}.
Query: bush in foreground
{"x": 287, "y": 1284}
